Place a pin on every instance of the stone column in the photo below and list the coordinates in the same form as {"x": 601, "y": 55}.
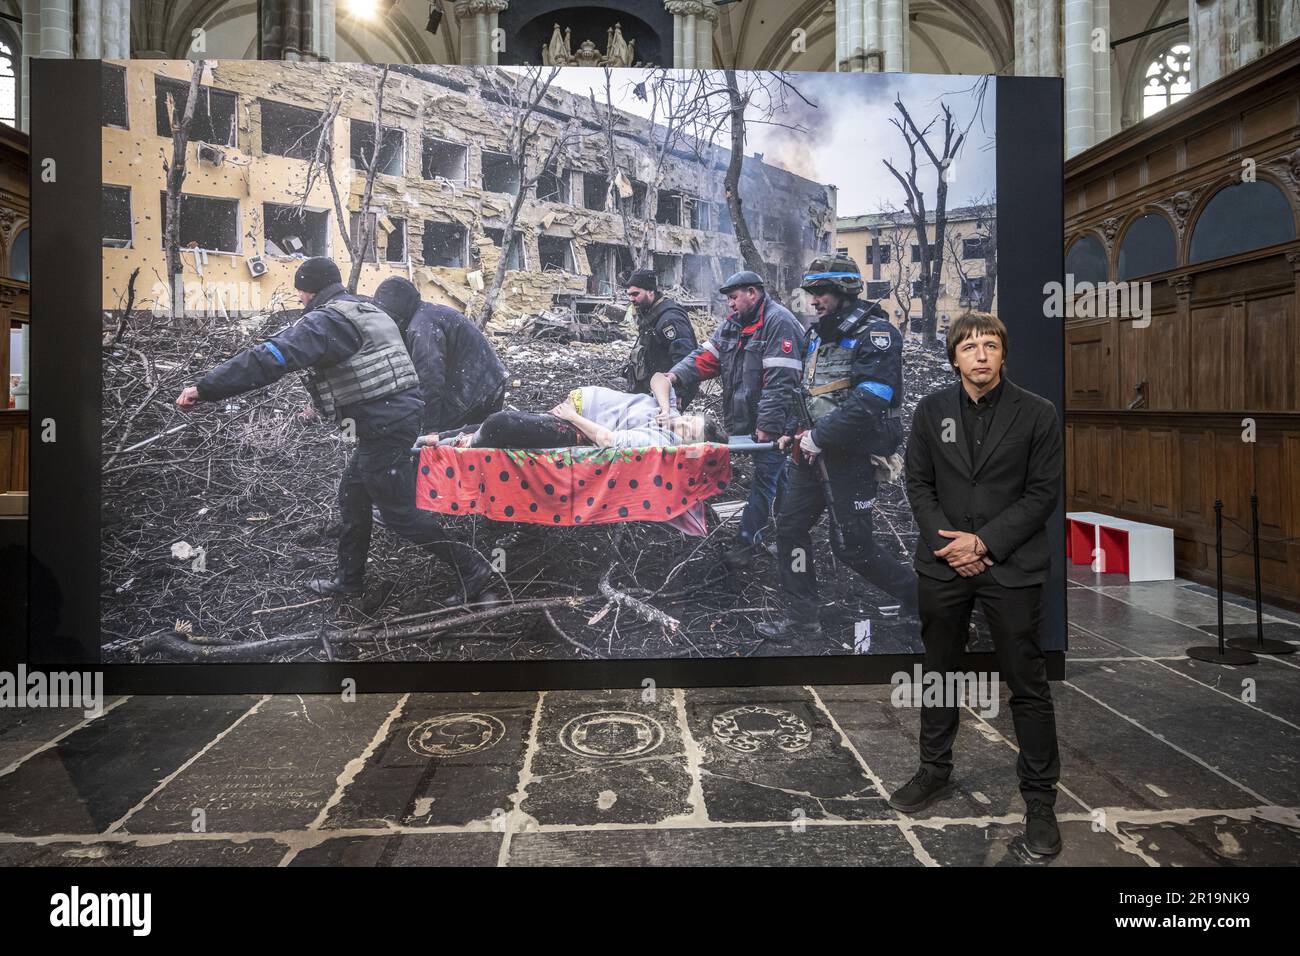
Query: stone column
{"x": 477, "y": 20}
{"x": 892, "y": 26}
{"x": 1029, "y": 36}
{"x": 103, "y": 29}
{"x": 1288, "y": 21}
{"x": 1049, "y": 42}
{"x": 1078, "y": 76}
{"x": 31, "y": 43}
{"x": 1101, "y": 121}
{"x": 1225, "y": 35}
{"x": 693, "y": 23}
{"x": 56, "y": 29}
{"x": 907, "y": 34}
{"x": 326, "y": 30}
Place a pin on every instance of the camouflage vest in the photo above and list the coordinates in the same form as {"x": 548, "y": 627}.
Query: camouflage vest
{"x": 382, "y": 366}
{"x": 828, "y": 366}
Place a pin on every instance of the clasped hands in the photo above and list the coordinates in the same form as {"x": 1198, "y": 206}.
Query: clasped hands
{"x": 965, "y": 553}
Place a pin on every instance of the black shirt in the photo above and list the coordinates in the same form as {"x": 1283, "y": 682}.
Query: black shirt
{"x": 977, "y": 418}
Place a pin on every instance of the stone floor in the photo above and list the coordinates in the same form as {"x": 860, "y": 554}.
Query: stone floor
{"x": 1164, "y": 764}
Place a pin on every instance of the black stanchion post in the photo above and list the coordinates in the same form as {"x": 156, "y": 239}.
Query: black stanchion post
{"x": 1220, "y": 654}
{"x": 1261, "y": 644}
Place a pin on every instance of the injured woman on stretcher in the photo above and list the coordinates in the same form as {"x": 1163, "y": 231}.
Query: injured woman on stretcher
{"x": 591, "y": 415}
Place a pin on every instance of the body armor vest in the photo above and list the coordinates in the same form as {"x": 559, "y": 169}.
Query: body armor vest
{"x": 382, "y": 366}
{"x": 828, "y": 367}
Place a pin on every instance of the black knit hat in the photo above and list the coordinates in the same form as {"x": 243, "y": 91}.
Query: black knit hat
{"x": 644, "y": 279}
{"x": 315, "y": 274}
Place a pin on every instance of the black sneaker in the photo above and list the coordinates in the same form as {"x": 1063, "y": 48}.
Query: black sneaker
{"x": 919, "y": 792}
{"x": 783, "y": 632}
{"x": 1042, "y": 835}
{"x": 332, "y": 587}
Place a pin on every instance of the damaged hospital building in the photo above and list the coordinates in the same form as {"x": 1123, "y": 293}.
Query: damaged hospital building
{"x": 445, "y": 185}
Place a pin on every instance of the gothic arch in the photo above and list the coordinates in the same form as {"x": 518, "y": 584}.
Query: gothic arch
{"x": 1122, "y": 234}
{"x": 1145, "y": 52}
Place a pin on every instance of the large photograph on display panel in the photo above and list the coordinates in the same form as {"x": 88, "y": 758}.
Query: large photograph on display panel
{"x": 517, "y": 252}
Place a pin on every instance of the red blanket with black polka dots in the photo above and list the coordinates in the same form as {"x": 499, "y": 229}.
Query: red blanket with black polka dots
{"x": 575, "y": 486}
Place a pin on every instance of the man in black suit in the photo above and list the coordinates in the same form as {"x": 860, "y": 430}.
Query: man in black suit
{"x": 983, "y": 476}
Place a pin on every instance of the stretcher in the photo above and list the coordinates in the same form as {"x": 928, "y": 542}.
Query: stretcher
{"x": 581, "y": 485}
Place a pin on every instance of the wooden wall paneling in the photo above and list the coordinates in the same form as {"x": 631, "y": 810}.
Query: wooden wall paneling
{"x": 1085, "y": 457}
{"x": 1269, "y": 372}
{"x": 1162, "y": 472}
{"x": 8, "y": 447}
{"x": 1109, "y": 468}
{"x": 19, "y": 475}
{"x": 1135, "y": 460}
{"x": 1270, "y": 485}
{"x": 1209, "y": 348}
{"x": 1194, "y": 497}
{"x": 1231, "y": 468}
{"x": 1071, "y": 463}
{"x": 1268, "y": 119}
{"x": 1089, "y": 368}
{"x": 1293, "y": 261}
{"x": 1291, "y": 489}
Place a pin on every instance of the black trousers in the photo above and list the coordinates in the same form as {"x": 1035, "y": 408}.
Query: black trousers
{"x": 1013, "y": 616}
{"x": 526, "y": 430}
{"x": 853, "y": 486}
{"x": 381, "y": 473}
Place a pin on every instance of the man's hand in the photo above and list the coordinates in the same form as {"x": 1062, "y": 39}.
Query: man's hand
{"x": 465, "y": 439}
{"x": 808, "y": 447}
{"x": 426, "y": 440}
{"x": 970, "y": 570}
{"x": 784, "y": 442}
{"x": 565, "y": 410}
{"x": 188, "y": 398}
{"x": 965, "y": 549}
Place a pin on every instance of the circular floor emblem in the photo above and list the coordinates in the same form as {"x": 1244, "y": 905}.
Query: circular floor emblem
{"x": 612, "y": 733}
{"x": 452, "y": 735}
{"x": 753, "y": 728}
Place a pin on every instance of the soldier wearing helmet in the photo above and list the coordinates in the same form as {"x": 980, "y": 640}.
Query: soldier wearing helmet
{"x": 853, "y": 386}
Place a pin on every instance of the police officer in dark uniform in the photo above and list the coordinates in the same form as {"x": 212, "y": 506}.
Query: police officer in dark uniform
{"x": 358, "y": 373}
{"x": 853, "y": 387}
{"x": 664, "y": 336}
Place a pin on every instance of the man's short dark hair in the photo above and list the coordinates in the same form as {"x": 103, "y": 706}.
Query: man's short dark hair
{"x": 970, "y": 324}
{"x": 714, "y": 431}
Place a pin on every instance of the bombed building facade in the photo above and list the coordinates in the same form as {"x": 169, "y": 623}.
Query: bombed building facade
{"x": 442, "y": 195}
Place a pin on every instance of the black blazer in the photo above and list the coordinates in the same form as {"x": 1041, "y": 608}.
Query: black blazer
{"x": 1005, "y": 497}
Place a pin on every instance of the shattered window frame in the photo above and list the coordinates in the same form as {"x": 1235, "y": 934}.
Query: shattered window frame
{"x": 202, "y": 122}
{"x": 112, "y": 81}
{"x": 974, "y": 248}
{"x": 674, "y": 200}
{"x": 516, "y": 174}
{"x": 589, "y": 193}
{"x": 426, "y": 142}
{"x": 298, "y": 148}
{"x": 661, "y": 270}
{"x": 392, "y": 151}
{"x": 228, "y": 202}
{"x": 315, "y": 224}
{"x": 117, "y": 242}
{"x": 399, "y": 229}
{"x": 560, "y": 193}
{"x": 972, "y": 287}
{"x": 517, "y": 249}
{"x": 879, "y": 288}
{"x": 451, "y": 229}
{"x": 371, "y": 252}
{"x": 570, "y": 263}
{"x": 916, "y": 252}
{"x": 700, "y": 213}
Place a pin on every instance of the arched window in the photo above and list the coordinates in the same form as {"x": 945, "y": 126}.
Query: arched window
{"x": 1239, "y": 218}
{"x": 8, "y": 85}
{"x": 1168, "y": 79}
{"x": 20, "y": 257}
{"x": 1148, "y": 248}
{"x": 1086, "y": 260}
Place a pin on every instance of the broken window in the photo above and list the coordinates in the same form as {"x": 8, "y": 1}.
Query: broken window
{"x": 116, "y": 204}
{"x": 112, "y": 81}
{"x": 440, "y": 158}
{"x": 289, "y": 130}
{"x": 610, "y": 267}
{"x": 444, "y": 244}
{"x": 500, "y": 173}
{"x": 916, "y": 252}
{"x": 394, "y": 228}
{"x": 553, "y": 185}
{"x": 698, "y": 276}
{"x": 974, "y": 248}
{"x": 668, "y": 269}
{"x": 878, "y": 290}
{"x": 669, "y": 210}
{"x": 772, "y": 228}
{"x": 972, "y": 289}
{"x": 916, "y": 284}
{"x": 555, "y": 252}
{"x": 728, "y": 267}
{"x": 372, "y": 238}
{"x": 288, "y": 231}
{"x": 699, "y": 214}
{"x": 390, "y": 159}
{"x": 515, "y": 258}
{"x": 636, "y": 204}
{"x": 206, "y": 222}
{"x": 214, "y": 111}
{"x": 594, "y": 189}
{"x": 842, "y": 251}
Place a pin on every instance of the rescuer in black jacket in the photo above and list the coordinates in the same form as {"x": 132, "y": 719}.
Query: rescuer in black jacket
{"x": 664, "y": 336}
{"x": 853, "y": 388}
{"x": 359, "y": 373}
{"x": 462, "y": 381}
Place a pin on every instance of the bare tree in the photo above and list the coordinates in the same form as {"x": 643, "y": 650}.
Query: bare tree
{"x": 357, "y": 241}
{"x": 527, "y": 128}
{"x": 176, "y": 171}
{"x": 896, "y": 235}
